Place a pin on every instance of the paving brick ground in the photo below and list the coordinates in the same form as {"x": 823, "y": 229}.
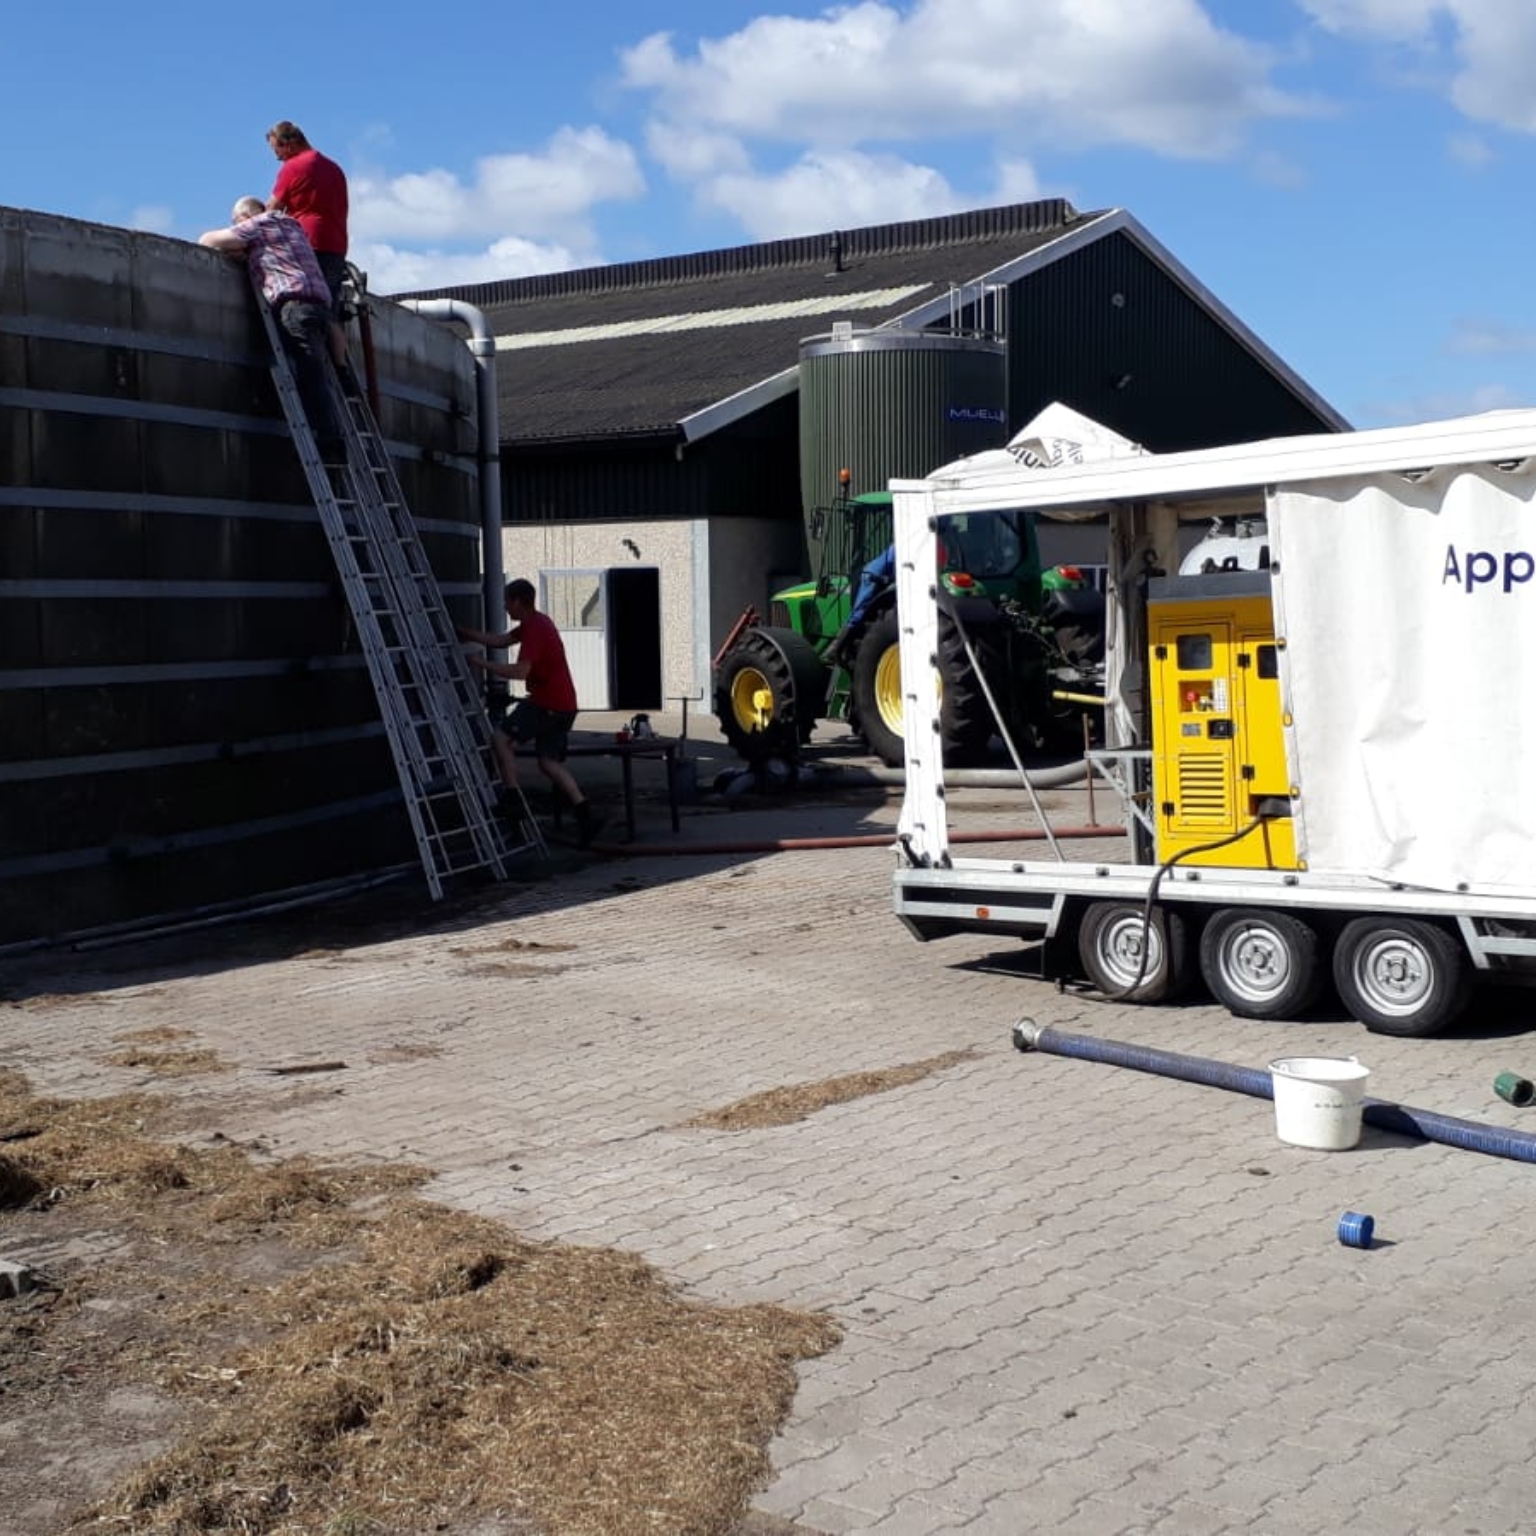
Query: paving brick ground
{"x": 1076, "y": 1298}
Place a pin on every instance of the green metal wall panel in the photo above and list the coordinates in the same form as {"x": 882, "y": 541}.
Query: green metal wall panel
{"x": 185, "y": 717}
{"x": 889, "y": 404}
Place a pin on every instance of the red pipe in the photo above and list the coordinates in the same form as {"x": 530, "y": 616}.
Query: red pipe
{"x": 860, "y": 840}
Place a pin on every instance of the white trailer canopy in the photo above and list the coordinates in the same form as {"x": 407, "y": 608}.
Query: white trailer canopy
{"x": 1405, "y": 591}
{"x": 1408, "y": 609}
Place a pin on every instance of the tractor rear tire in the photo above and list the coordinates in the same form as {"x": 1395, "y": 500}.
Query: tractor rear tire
{"x": 769, "y": 688}
{"x": 965, "y": 717}
{"x": 879, "y": 710}
{"x": 877, "y": 702}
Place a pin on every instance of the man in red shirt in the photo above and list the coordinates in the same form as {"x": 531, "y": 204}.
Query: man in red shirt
{"x": 546, "y": 715}
{"x": 313, "y": 190}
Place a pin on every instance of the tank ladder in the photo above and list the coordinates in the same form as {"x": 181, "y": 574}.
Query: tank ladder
{"x": 433, "y": 713}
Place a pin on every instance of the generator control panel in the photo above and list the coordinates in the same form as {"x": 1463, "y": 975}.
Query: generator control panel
{"x": 1218, "y": 743}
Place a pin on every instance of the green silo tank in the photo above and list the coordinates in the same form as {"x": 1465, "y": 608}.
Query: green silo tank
{"x": 890, "y": 404}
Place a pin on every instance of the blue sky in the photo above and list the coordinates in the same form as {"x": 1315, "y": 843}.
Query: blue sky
{"x": 1355, "y": 179}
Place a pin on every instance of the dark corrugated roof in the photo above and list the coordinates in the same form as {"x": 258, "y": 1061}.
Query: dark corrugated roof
{"x": 560, "y": 387}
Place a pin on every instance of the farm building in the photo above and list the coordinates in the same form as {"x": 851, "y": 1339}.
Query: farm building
{"x": 666, "y": 425}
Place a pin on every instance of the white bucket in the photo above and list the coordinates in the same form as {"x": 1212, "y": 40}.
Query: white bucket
{"x": 1318, "y": 1100}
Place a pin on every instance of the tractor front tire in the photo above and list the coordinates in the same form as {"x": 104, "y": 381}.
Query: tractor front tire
{"x": 768, "y": 689}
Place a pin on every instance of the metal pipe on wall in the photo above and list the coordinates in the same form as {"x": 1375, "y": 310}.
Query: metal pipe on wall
{"x": 482, "y": 346}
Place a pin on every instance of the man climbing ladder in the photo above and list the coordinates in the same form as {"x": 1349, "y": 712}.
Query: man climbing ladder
{"x": 546, "y": 715}
{"x": 286, "y": 272}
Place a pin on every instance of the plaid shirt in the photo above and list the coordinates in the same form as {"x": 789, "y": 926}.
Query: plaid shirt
{"x": 281, "y": 257}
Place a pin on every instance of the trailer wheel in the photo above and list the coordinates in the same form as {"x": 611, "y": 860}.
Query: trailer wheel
{"x": 1401, "y": 976}
{"x": 1261, "y": 964}
{"x": 769, "y": 688}
{"x": 1111, "y": 942}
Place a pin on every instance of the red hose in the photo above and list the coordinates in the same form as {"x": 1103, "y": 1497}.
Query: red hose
{"x": 860, "y": 840}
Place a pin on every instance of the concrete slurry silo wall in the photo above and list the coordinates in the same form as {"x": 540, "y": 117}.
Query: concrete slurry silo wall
{"x": 186, "y": 720}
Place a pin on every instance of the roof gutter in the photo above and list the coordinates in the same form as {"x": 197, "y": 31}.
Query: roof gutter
{"x": 482, "y": 346}
{"x": 743, "y": 403}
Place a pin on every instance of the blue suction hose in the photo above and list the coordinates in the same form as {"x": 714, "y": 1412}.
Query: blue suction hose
{"x": 1398, "y": 1119}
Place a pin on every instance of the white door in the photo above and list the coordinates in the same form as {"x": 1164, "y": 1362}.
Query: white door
{"x": 577, "y": 600}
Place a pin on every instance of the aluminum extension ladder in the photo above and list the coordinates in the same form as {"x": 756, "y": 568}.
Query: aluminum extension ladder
{"x": 433, "y": 712}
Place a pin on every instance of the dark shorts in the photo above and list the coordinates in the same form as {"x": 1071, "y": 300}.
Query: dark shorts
{"x": 334, "y": 269}
{"x": 548, "y": 729}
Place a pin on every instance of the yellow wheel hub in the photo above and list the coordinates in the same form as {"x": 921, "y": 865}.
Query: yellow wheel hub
{"x": 888, "y": 689}
{"x": 751, "y": 699}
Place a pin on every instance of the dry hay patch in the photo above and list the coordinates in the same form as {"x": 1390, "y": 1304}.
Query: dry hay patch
{"x": 139, "y": 1050}
{"x": 50, "y": 1002}
{"x": 152, "y": 1034}
{"x": 524, "y": 957}
{"x": 784, "y": 1106}
{"x": 511, "y": 946}
{"x": 405, "y": 1051}
{"x": 503, "y": 968}
{"x": 340, "y": 1355}
{"x": 167, "y": 1063}
{"x": 453, "y": 1372}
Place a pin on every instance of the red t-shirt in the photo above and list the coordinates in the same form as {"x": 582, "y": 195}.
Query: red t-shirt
{"x": 314, "y": 191}
{"x": 549, "y": 676}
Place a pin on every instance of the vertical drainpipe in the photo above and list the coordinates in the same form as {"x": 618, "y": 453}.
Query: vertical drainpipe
{"x": 482, "y": 346}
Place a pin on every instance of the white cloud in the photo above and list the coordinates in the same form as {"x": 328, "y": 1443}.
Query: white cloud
{"x": 1158, "y": 75}
{"x": 156, "y": 218}
{"x": 1498, "y": 48}
{"x": 1490, "y": 338}
{"x": 1487, "y": 47}
{"x": 1470, "y": 150}
{"x": 1446, "y": 405}
{"x": 1404, "y": 21}
{"x": 1278, "y": 171}
{"x": 827, "y": 191}
{"x": 548, "y": 194}
{"x": 392, "y": 270}
{"x": 847, "y": 189}
{"x": 1017, "y": 182}
{"x": 690, "y": 153}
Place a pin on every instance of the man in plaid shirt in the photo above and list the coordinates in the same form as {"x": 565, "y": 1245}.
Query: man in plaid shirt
{"x": 284, "y": 264}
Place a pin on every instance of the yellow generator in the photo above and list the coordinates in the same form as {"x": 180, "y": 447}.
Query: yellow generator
{"x": 1218, "y": 750}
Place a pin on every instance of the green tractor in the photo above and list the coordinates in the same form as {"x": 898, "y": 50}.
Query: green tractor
{"x": 831, "y": 652}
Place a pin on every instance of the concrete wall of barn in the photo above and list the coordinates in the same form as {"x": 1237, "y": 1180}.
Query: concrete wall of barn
{"x": 708, "y": 571}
